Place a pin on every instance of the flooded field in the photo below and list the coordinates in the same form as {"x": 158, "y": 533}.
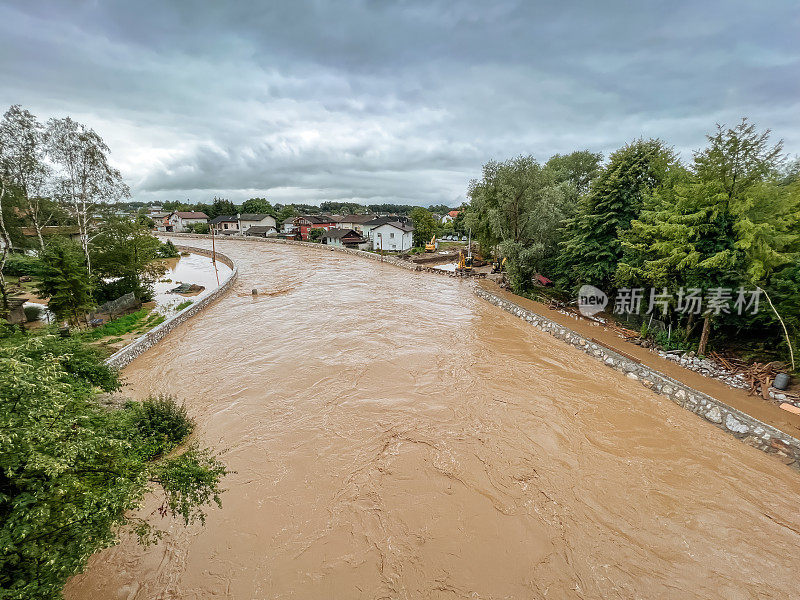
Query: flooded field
{"x": 394, "y": 436}
{"x": 192, "y": 268}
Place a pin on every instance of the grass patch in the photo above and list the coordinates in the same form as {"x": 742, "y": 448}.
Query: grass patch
{"x": 155, "y": 319}
{"x": 183, "y": 305}
{"x": 119, "y": 326}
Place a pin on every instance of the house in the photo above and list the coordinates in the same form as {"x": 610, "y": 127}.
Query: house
{"x": 394, "y": 236}
{"x": 306, "y": 223}
{"x": 225, "y": 224}
{"x": 348, "y": 238}
{"x": 160, "y": 219}
{"x": 288, "y": 225}
{"x": 354, "y": 222}
{"x": 180, "y": 221}
{"x": 248, "y": 220}
{"x": 450, "y": 217}
{"x": 261, "y": 231}
{"x": 368, "y": 227}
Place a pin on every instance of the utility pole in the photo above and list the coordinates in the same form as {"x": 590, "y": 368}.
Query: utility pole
{"x": 213, "y": 247}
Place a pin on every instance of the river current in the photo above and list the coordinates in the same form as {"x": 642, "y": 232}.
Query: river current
{"x": 394, "y": 436}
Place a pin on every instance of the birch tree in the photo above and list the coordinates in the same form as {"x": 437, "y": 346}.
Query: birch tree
{"x": 5, "y": 239}
{"x": 85, "y": 178}
{"x": 26, "y": 166}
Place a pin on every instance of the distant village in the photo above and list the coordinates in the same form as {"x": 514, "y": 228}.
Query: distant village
{"x": 389, "y": 233}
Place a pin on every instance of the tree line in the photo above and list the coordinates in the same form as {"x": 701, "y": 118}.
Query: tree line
{"x": 646, "y": 225}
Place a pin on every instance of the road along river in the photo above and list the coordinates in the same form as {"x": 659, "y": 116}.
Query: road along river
{"x": 394, "y": 436}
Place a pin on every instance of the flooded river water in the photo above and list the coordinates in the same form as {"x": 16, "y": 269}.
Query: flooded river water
{"x": 394, "y": 436}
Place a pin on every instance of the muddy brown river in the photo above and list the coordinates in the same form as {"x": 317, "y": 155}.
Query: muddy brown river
{"x": 394, "y": 436}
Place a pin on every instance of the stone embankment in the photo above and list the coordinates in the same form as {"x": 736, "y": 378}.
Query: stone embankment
{"x": 743, "y": 426}
{"x": 125, "y": 355}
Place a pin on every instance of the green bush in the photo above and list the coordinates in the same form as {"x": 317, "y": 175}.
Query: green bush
{"x": 159, "y": 424}
{"x": 32, "y": 312}
{"x": 83, "y": 363}
{"x": 72, "y": 471}
{"x": 168, "y": 250}
{"x": 111, "y": 290}
{"x": 677, "y": 341}
{"x": 201, "y": 228}
{"x": 21, "y": 264}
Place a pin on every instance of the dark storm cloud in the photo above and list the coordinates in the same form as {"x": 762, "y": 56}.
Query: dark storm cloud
{"x": 390, "y": 101}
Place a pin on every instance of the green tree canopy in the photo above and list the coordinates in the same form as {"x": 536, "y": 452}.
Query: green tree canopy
{"x": 222, "y": 206}
{"x": 425, "y": 226}
{"x": 65, "y": 280}
{"x": 258, "y": 206}
{"x": 519, "y": 208}
{"x": 728, "y": 223}
{"x": 592, "y": 247}
{"x": 126, "y": 249}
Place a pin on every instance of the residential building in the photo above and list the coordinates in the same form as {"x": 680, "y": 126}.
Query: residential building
{"x": 261, "y": 231}
{"x": 394, "y": 236}
{"x": 306, "y": 223}
{"x": 348, "y": 238}
{"x": 248, "y": 220}
{"x": 225, "y": 224}
{"x": 369, "y": 226}
{"x": 450, "y": 217}
{"x": 288, "y": 225}
{"x": 355, "y": 222}
{"x": 160, "y": 219}
{"x": 180, "y": 221}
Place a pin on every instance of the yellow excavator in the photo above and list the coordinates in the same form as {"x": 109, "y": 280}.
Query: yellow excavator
{"x": 464, "y": 263}
{"x": 431, "y": 246}
{"x": 498, "y": 265}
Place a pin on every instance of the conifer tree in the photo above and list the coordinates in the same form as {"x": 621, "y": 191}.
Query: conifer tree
{"x": 592, "y": 248}
{"x": 729, "y": 224}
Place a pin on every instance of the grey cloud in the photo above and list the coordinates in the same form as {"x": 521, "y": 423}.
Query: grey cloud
{"x": 390, "y": 101}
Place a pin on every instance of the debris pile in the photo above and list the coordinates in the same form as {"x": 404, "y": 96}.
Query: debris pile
{"x": 187, "y": 288}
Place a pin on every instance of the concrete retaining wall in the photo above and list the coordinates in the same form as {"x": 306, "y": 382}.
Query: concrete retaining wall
{"x": 406, "y": 264}
{"x": 124, "y": 356}
{"x": 748, "y": 429}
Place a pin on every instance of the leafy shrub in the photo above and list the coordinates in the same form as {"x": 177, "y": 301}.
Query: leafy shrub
{"x": 83, "y": 363}
{"x": 201, "y": 228}
{"x": 73, "y": 471}
{"x": 159, "y": 423}
{"x": 111, "y": 290}
{"x": 7, "y": 330}
{"x": 21, "y": 264}
{"x": 168, "y": 250}
{"x": 677, "y": 341}
{"x": 32, "y": 312}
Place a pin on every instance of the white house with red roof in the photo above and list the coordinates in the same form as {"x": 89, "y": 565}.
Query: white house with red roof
{"x": 180, "y": 221}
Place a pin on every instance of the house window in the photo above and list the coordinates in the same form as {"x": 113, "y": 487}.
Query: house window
{"x": 391, "y": 235}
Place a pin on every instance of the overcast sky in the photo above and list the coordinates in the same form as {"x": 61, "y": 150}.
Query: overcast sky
{"x": 390, "y": 101}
